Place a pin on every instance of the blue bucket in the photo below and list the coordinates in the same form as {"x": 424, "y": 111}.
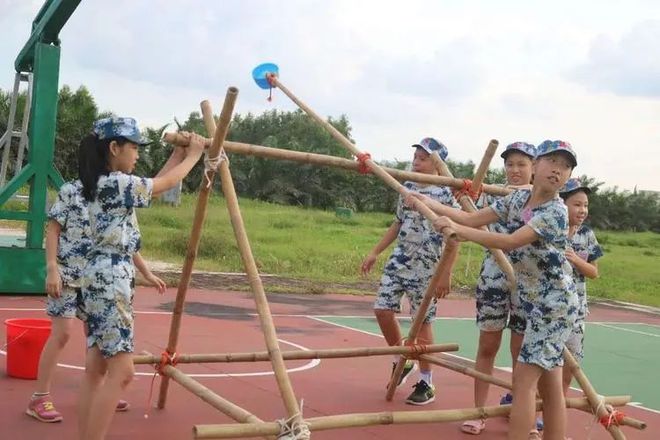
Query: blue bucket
{"x": 259, "y": 74}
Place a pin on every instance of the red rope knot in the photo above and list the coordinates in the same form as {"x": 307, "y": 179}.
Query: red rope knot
{"x": 468, "y": 190}
{"x": 362, "y": 158}
{"x": 166, "y": 358}
{"x": 417, "y": 351}
{"x": 613, "y": 418}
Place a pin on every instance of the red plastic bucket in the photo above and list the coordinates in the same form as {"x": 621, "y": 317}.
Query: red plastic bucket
{"x": 26, "y": 338}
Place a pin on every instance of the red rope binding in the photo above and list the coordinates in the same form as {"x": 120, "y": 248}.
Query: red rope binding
{"x": 362, "y": 158}
{"x": 468, "y": 190}
{"x": 166, "y": 358}
{"x": 613, "y": 418}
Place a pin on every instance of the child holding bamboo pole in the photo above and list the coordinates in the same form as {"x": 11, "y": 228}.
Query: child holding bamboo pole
{"x": 112, "y": 193}
{"x": 539, "y": 221}
{"x": 68, "y": 241}
{"x": 497, "y": 303}
{"x": 410, "y": 268}
{"x": 582, "y": 254}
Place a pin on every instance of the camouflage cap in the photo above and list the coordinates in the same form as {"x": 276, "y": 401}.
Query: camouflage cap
{"x": 521, "y": 147}
{"x": 574, "y": 184}
{"x": 107, "y": 128}
{"x": 430, "y": 145}
{"x": 549, "y": 147}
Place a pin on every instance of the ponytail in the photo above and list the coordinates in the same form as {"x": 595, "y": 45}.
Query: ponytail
{"x": 93, "y": 162}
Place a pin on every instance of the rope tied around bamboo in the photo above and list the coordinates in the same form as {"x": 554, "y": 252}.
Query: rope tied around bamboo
{"x": 211, "y": 165}
{"x": 417, "y": 349}
{"x": 363, "y": 166}
{"x": 612, "y": 418}
{"x": 294, "y": 428}
{"x": 469, "y": 189}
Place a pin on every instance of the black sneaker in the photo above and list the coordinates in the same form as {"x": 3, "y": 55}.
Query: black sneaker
{"x": 423, "y": 394}
{"x": 408, "y": 369}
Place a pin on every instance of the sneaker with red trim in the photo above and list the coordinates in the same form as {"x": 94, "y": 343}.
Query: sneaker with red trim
{"x": 42, "y": 409}
{"x": 122, "y": 406}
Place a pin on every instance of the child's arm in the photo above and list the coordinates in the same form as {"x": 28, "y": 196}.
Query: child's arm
{"x": 141, "y": 265}
{"x": 506, "y": 242}
{"x": 589, "y": 270}
{"x": 177, "y": 156}
{"x": 53, "y": 279}
{"x": 176, "y": 174}
{"x": 475, "y": 219}
{"x": 444, "y": 282}
{"x": 389, "y": 236}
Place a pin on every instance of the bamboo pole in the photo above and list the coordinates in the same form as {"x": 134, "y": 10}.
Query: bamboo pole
{"x": 422, "y": 310}
{"x": 337, "y": 353}
{"x": 482, "y": 170}
{"x": 373, "y": 166}
{"x": 263, "y": 309}
{"x": 323, "y": 159}
{"x": 382, "y": 418}
{"x": 195, "y": 236}
{"x": 468, "y": 205}
{"x": 596, "y": 403}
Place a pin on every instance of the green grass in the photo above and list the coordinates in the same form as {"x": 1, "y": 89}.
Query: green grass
{"x": 319, "y": 246}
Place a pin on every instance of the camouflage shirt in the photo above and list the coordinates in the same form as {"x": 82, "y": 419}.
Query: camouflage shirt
{"x": 586, "y": 247}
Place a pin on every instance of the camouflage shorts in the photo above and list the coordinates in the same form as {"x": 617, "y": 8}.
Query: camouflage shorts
{"x": 409, "y": 278}
{"x": 108, "y": 304}
{"x": 575, "y": 342}
{"x": 497, "y": 306}
{"x": 67, "y": 305}
{"x": 544, "y": 339}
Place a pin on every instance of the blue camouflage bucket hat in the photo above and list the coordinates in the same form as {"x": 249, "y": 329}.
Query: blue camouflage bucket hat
{"x": 574, "y": 184}
{"x": 107, "y": 128}
{"x": 430, "y": 145}
{"x": 549, "y": 147}
{"x": 520, "y": 147}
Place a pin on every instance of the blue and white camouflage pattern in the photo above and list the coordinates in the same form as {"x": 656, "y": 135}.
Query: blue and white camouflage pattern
{"x": 108, "y": 128}
{"x": 108, "y": 278}
{"x": 544, "y": 277}
{"x": 586, "y": 246}
{"x": 70, "y": 211}
{"x": 497, "y": 305}
{"x": 415, "y": 256}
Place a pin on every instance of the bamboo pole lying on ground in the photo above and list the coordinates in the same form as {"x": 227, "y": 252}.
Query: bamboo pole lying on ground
{"x": 338, "y": 162}
{"x": 335, "y": 353}
{"x": 468, "y": 205}
{"x": 440, "y": 270}
{"x": 195, "y": 236}
{"x": 263, "y": 309}
{"x": 596, "y": 403}
{"x": 382, "y": 418}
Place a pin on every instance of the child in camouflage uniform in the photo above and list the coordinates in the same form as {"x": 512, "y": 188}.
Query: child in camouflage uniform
{"x": 497, "y": 304}
{"x": 68, "y": 243}
{"x": 582, "y": 254}
{"x": 411, "y": 266}
{"x": 111, "y": 152}
{"x": 545, "y": 284}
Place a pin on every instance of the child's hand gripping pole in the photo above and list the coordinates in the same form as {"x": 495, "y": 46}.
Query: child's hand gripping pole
{"x": 468, "y": 204}
{"x": 364, "y": 157}
{"x": 422, "y": 310}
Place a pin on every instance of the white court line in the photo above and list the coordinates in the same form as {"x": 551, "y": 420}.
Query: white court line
{"x": 627, "y": 330}
{"x": 506, "y": 369}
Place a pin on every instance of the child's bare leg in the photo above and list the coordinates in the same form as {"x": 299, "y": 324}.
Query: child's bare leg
{"x": 489, "y": 344}
{"x": 95, "y": 369}
{"x": 425, "y": 337}
{"x": 554, "y": 405}
{"x": 514, "y": 347}
{"x": 525, "y": 381}
{"x": 59, "y": 336}
{"x": 389, "y": 326}
{"x": 120, "y": 373}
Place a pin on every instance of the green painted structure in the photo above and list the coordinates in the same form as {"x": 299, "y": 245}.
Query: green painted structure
{"x": 23, "y": 268}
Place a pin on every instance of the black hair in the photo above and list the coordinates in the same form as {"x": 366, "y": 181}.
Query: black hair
{"x": 567, "y": 195}
{"x": 93, "y": 158}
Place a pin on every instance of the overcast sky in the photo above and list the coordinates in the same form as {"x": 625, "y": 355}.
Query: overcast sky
{"x": 462, "y": 71}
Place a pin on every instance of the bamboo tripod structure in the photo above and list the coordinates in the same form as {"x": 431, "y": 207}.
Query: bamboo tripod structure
{"x": 251, "y": 424}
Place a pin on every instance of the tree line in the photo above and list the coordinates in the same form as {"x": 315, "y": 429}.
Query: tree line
{"x": 300, "y": 184}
